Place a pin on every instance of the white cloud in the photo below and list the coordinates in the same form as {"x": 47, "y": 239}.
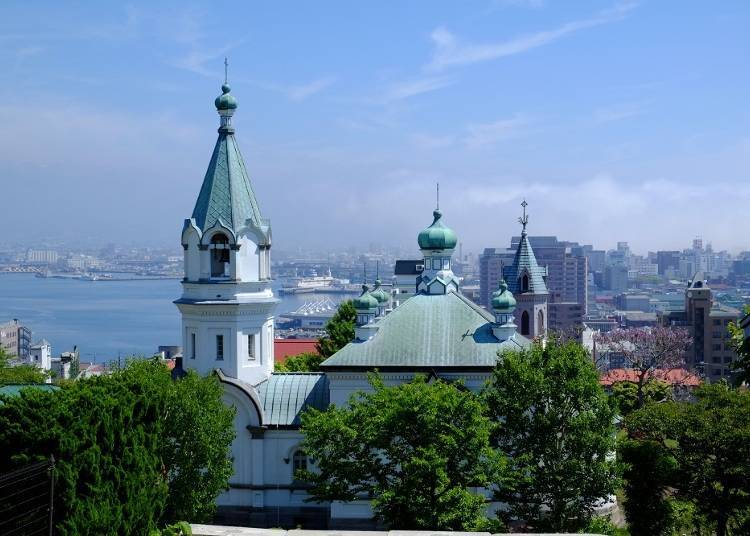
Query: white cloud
{"x": 303, "y": 91}
{"x": 449, "y": 51}
{"x": 618, "y": 112}
{"x": 488, "y": 133}
{"x": 411, "y": 88}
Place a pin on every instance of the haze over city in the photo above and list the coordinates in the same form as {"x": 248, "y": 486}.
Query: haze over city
{"x": 610, "y": 126}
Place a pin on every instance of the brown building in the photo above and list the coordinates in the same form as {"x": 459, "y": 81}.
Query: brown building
{"x": 707, "y": 322}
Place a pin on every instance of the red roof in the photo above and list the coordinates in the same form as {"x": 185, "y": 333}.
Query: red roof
{"x": 283, "y": 348}
{"x": 676, "y": 376}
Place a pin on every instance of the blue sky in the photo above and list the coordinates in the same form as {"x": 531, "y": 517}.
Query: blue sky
{"x": 616, "y": 120}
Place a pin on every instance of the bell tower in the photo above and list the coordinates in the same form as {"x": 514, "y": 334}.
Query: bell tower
{"x": 227, "y": 303}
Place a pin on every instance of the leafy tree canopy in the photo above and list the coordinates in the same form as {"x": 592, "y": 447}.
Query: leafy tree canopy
{"x": 710, "y": 440}
{"x": 625, "y": 394}
{"x": 19, "y": 374}
{"x": 339, "y": 330}
{"x": 742, "y": 346}
{"x": 416, "y": 450}
{"x": 304, "y": 362}
{"x": 557, "y": 431}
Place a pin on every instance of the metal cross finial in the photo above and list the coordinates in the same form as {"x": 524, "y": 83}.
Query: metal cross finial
{"x": 438, "y": 196}
{"x": 226, "y": 69}
{"x": 523, "y": 220}
{"x": 377, "y": 269}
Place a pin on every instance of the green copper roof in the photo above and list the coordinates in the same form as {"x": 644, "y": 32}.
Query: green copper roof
{"x": 437, "y": 235}
{"x": 365, "y": 301}
{"x": 428, "y": 331}
{"x": 502, "y": 299}
{"x": 525, "y": 263}
{"x": 226, "y": 193}
{"x": 286, "y": 395}
{"x": 225, "y": 101}
{"x": 378, "y": 293}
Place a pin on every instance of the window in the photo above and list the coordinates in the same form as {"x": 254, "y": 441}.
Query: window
{"x": 525, "y": 283}
{"x": 219, "y": 255}
{"x": 219, "y": 347}
{"x": 192, "y": 346}
{"x": 716, "y": 346}
{"x": 299, "y": 461}
{"x": 540, "y": 322}
{"x": 251, "y": 347}
{"x": 436, "y": 264}
{"x": 525, "y": 323}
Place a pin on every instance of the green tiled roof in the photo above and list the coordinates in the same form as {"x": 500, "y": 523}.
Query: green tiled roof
{"x": 430, "y": 331}
{"x": 285, "y": 395}
{"x": 15, "y": 389}
{"x": 226, "y": 193}
{"x": 525, "y": 261}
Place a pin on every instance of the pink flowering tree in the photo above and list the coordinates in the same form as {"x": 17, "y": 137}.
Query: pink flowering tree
{"x": 647, "y": 350}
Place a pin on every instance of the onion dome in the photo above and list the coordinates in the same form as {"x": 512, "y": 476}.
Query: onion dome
{"x": 379, "y": 294}
{"x": 437, "y": 235}
{"x": 502, "y": 299}
{"x": 365, "y": 301}
{"x": 225, "y": 101}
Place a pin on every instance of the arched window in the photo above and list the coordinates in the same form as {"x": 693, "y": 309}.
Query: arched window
{"x": 525, "y": 323}
{"x": 219, "y": 255}
{"x": 540, "y": 323}
{"x": 299, "y": 461}
{"x": 525, "y": 283}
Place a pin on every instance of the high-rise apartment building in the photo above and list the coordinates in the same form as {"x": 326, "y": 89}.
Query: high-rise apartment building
{"x": 711, "y": 352}
{"x": 667, "y": 260}
{"x": 15, "y": 339}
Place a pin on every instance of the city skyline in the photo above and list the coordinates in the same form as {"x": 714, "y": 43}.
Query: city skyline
{"x": 610, "y": 128}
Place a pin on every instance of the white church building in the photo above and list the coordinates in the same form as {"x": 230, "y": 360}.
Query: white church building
{"x": 227, "y": 307}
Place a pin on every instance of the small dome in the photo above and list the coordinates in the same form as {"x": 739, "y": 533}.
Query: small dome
{"x": 437, "y": 235}
{"x": 502, "y": 299}
{"x": 378, "y": 293}
{"x": 225, "y": 101}
{"x": 365, "y": 301}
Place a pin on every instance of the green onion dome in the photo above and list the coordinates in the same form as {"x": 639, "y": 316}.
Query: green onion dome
{"x": 365, "y": 301}
{"x": 437, "y": 235}
{"x": 379, "y": 294}
{"x": 225, "y": 101}
{"x": 502, "y": 299}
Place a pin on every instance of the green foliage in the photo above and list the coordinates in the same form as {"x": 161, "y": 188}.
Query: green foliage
{"x": 181, "y": 528}
{"x": 625, "y": 394}
{"x": 416, "y": 449}
{"x": 649, "y": 467}
{"x": 603, "y": 525}
{"x": 741, "y": 365}
{"x": 710, "y": 440}
{"x": 557, "y": 431}
{"x": 133, "y": 449}
{"x": 20, "y": 374}
{"x": 304, "y": 362}
{"x": 339, "y": 330}
{"x": 106, "y": 443}
{"x": 197, "y": 435}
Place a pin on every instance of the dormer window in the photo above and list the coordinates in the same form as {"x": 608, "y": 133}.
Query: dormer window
{"x": 219, "y": 255}
{"x": 525, "y": 283}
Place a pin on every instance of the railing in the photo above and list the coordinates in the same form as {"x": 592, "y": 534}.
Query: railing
{"x": 27, "y": 500}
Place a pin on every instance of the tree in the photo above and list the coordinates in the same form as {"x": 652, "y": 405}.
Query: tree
{"x": 105, "y": 440}
{"x": 625, "y": 394}
{"x": 19, "y": 374}
{"x": 741, "y": 346}
{"x": 647, "y": 350}
{"x": 557, "y": 431}
{"x": 133, "y": 449}
{"x": 416, "y": 450}
{"x": 339, "y": 330}
{"x": 197, "y": 430}
{"x": 304, "y": 362}
{"x": 710, "y": 440}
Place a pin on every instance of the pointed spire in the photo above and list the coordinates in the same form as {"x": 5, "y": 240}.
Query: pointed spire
{"x": 523, "y": 220}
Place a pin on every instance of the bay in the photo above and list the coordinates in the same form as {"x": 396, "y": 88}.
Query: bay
{"x": 104, "y": 318}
